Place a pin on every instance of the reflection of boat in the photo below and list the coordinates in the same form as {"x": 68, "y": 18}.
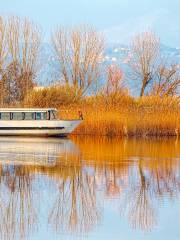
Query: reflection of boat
{"x": 29, "y": 121}
{"x": 34, "y": 151}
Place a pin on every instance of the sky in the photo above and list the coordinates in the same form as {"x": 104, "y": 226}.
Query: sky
{"x": 119, "y": 20}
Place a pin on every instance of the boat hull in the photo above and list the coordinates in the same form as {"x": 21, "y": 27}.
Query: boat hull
{"x": 40, "y": 128}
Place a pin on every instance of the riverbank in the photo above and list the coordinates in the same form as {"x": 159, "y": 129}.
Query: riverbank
{"x": 146, "y": 117}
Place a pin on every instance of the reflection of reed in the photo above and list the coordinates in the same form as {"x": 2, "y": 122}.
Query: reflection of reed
{"x": 82, "y": 181}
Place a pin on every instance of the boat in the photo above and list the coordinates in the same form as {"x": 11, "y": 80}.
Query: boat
{"x": 35, "y": 122}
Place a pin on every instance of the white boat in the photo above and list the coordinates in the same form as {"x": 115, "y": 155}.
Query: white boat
{"x": 34, "y": 121}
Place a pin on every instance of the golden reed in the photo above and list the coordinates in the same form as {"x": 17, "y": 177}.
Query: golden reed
{"x": 116, "y": 115}
{"x": 145, "y": 117}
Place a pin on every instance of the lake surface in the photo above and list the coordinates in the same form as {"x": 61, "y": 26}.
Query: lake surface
{"x": 85, "y": 188}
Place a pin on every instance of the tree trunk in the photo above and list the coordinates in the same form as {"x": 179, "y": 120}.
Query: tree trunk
{"x": 142, "y": 90}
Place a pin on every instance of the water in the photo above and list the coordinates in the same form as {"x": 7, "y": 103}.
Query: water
{"x": 87, "y": 188}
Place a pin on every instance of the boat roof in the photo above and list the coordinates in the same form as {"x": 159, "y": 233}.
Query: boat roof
{"x": 27, "y": 109}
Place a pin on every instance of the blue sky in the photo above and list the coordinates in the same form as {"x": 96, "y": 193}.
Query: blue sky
{"x": 118, "y": 19}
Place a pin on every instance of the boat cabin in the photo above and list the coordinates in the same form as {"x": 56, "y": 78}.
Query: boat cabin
{"x": 28, "y": 114}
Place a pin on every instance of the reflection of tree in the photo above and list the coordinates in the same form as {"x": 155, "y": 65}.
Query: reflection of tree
{"x": 149, "y": 181}
{"x": 75, "y": 207}
{"x": 81, "y": 183}
{"x": 165, "y": 178}
{"x": 141, "y": 212}
{"x": 18, "y": 215}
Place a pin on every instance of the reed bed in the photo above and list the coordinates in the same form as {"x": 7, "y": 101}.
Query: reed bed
{"x": 146, "y": 117}
{"x": 116, "y": 115}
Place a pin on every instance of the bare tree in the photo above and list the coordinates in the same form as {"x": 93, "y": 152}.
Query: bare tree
{"x": 24, "y": 39}
{"x": 167, "y": 81}
{"x": 3, "y": 54}
{"x": 114, "y": 86}
{"x": 10, "y": 88}
{"x": 19, "y": 49}
{"x": 79, "y": 51}
{"x": 145, "y": 49}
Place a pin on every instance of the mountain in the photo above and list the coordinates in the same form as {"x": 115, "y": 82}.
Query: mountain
{"x": 114, "y": 54}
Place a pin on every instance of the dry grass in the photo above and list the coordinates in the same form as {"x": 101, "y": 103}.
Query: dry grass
{"x": 142, "y": 117}
{"x": 53, "y": 96}
{"x": 121, "y": 115}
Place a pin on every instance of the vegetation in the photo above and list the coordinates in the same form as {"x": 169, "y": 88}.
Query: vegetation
{"x": 78, "y": 51}
{"x": 54, "y": 96}
{"x": 144, "y": 117}
{"x": 19, "y": 50}
{"x": 84, "y": 83}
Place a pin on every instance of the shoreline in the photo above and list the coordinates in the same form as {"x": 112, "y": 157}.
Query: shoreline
{"x": 127, "y": 121}
{"x": 157, "y": 136}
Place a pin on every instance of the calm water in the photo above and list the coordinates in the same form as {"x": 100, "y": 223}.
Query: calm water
{"x": 88, "y": 188}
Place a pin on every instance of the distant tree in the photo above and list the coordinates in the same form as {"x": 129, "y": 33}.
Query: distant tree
{"x": 114, "y": 80}
{"x": 167, "y": 81}
{"x": 79, "y": 52}
{"x": 114, "y": 86}
{"x": 145, "y": 50}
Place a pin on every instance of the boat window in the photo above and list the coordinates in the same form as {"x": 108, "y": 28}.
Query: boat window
{"x": 17, "y": 116}
{"x": 29, "y": 116}
{"x": 43, "y": 115}
{"x": 53, "y": 115}
{"x": 5, "y": 116}
{"x": 25, "y": 116}
{"x": 38, "y": 116}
